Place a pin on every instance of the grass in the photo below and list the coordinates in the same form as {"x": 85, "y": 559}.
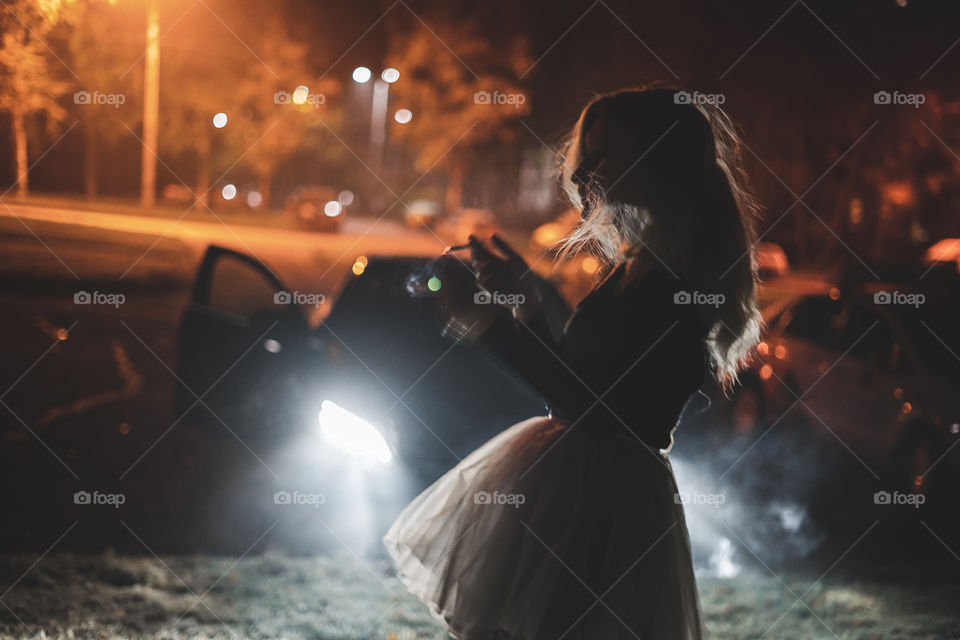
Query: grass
{"x": 343, "y": 597}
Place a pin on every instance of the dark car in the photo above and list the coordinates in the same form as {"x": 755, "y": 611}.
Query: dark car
{"x": 380, "y": 355}
{"x": 848, "y": 416}
{"x": 365, "y": 410}
{"x": 316, "y": 208}
{"x": 878, "y": 375}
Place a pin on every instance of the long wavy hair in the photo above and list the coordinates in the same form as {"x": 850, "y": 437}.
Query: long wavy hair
{"x": 683, "y": 203}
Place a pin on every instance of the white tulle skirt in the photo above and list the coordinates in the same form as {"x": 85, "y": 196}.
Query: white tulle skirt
{"x": 547, "y": 532}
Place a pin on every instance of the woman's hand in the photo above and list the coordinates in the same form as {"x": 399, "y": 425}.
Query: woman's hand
{"x": 456, "y": 298}
{"x": 507, "y": 281}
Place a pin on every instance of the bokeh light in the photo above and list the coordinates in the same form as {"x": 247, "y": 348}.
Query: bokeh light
{"x": 403, "y": 116}
{"x": 390, "y": 75}
{"x": 361, "y": 75}
{"x": 220, "y": 120}
{"x": 332, "y": 209}
{"x": 300, "y": 94}
{"x": 229, "y": 192}
{"x": 359, "y": 265}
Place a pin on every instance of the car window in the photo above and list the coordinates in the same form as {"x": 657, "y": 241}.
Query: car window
{"x": 237, "y": 287}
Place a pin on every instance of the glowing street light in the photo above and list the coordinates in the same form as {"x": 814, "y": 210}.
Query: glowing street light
{"x": 403, "y": 116}
{"x": 300, "y": 94}
{"x": 390, "y": 75}
{"x": 362, "y": 75}
{"x": 332, "y": 209}
{"x": 378, "y": 111}
{"x": 220, "y": 120}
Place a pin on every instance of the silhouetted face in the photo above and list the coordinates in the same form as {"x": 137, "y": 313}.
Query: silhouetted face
{"x": 611, "y": 163}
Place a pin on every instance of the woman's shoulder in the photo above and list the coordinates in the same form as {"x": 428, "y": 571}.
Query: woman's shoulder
{"x": 656, "y": 281}
{"x": 659, "y": 293}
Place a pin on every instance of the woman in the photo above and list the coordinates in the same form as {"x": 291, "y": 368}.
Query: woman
{"x": 570, "y": 526}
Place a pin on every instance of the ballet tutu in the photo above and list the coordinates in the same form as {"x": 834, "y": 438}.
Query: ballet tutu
{"x": 548, "y": 531}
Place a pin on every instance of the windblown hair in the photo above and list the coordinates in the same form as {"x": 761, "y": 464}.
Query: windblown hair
{"x": 688, "y": 208}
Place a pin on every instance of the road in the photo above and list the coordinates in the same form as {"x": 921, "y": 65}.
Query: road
{"x": 55, "y": 243}
{"x": 87, "y": 390}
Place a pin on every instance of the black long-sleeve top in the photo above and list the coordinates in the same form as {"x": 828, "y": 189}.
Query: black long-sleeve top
{"x": 629, "y": 357}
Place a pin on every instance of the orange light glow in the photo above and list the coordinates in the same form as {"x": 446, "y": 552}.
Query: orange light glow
{"x": 945, "y": 250}
{"x": 907, "y": 407}
{"x": 834, "y": 293}
{"x": 766, "y": 372}
{"x": 590, "y": 265}
{"x": 918, "y": 481}
{"x": 780, "y": 352}
{"x": 898, "y": 393}
{"x": 124, "y": 429}
{"x": 359, "y": 265}
{"x": 763, "y": 348}
{"x": 62, "y": 334}
{"x": 547, "y": 234}
{"x": 898, "y": 193}
{"x": 856, "y": 210}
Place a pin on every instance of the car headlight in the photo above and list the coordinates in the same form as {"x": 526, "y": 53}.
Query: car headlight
{"x": 351, "y": 433}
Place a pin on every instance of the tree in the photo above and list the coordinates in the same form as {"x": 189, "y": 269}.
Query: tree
{"x": 252, "y": 74}
{"x": 278, "y": 114}
{"x": 30, "y": 82}
{"x": 463, "y": 90}
{"x": 101, "y": 53}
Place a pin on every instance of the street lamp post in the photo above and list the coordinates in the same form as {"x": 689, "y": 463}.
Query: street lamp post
{"x": 378, "y": 111}
{"x": 151, "y": 107}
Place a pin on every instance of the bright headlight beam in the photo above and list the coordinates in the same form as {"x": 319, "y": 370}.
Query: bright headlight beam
{"x": 351, "y": 433}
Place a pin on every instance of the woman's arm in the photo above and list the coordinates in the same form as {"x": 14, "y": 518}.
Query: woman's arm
{"x": 651, "y": 359}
